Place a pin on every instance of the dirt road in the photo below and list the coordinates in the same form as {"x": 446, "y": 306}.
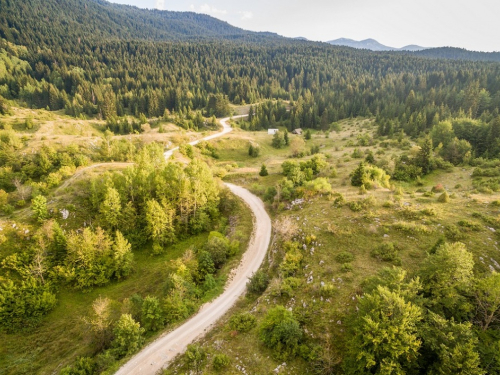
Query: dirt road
{"x": 159, "y": 353}
{"x": 226, "y": 128}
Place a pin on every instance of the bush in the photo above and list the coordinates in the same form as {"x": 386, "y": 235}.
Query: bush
{"x": 346, "y": 267}
{"x": 430, "y": 211}
{"x": 243, "y": 322}
{"x": 220, "y": 362}
{"x": 439, "y": 188}
{"x": 253, "y": 151}
{"x": 281, "y": 332}
{"x": 128, "y": 336}
{"x": 263, "y": 171}
{"x": 82, "y": 366}
{"x": 194, "y": 358}
{"x": 444, "y": 198}
{"x": 258, "y": 283}
{"x": 344, "y": 257}
{"x": 39, "y": 208}
{"x": 410, "y": 227}
{"x": 8, "y": 209}
{"x": 387, "y": 252}
{"x": 328, "y": 290}
{"x": 152, "y": 314}
{"x": 289, "y": 285}
{"x": 218, "y": 247}
{"x": 470, "y": 225}
{"x": 454, "y": 233}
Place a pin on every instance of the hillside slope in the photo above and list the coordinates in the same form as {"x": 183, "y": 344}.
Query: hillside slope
{"x": 52, "y": 22}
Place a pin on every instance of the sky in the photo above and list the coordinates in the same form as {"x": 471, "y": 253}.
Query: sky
{"x": 470, "y": 24}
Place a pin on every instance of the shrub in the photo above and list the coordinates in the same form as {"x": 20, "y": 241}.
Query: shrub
{"x": 339, "y": 200}
{"x": 263, "y": 171}
{"x": 8, "y": 209}
{"x": 355, "y": 206}
{"x": 439, "y": 188}
{"x": 82, "y": 366}
{"x": 470, "y": 225}
{"x": 128, "y": 336}
{"x": 346, "y": 267}
{"x": 194, "y": 358}
{"x": 218, "y": 248}
{"x": 253, "y": 151}
{"x": 453, "y": 233}
{"x": 411, "y": 227}
{"x": 344, "y": 257}
{"x": 220, "y": 362}
{"x": 369, "y": 176}
{"x": 281, "y": 332}
{"x": 39, "y": 208}
{"x": 357, "y": 154}
{"x": 292, "y": 261}
{"x": 243, "y": 322}
{"x": 258, "y": 283}
{"x": 444, "y": 198}
{"x": 387, "y": 252}
{"x": 328, "y": 290}
{"x": 152, "y": 314}
{"x": 319, "y": 185}
{"x": 289, "y": 285}
{"x": 430, "y": 211}
{"x": 187, "y": 150}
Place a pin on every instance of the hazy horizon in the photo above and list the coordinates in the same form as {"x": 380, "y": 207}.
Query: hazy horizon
{"x": 464, "y": 24}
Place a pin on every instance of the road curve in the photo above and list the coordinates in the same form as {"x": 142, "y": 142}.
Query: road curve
{"x": 159, "y": 353}
{"x": 226, "y": 128}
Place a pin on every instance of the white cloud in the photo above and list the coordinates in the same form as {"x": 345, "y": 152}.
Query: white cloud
{"x": 191, "y": 7}
{"x": 160, "y": 4}
{"x": 207, "y": 9}
{"x": 246, "y": 15}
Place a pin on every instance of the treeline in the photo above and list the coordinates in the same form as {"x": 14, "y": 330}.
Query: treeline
{"x": 324, "y": 84}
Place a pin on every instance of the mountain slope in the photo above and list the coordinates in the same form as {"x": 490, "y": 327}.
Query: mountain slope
{"x": 372, "y": 45}
{"x": 28, "y": 21}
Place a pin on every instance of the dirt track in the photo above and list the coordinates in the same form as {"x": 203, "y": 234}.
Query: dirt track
{"x": 226, "y": 128}
{"x": 159, "y": 353}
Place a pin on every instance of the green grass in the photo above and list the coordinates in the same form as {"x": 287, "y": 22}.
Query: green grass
{"x": 412, "y": 222}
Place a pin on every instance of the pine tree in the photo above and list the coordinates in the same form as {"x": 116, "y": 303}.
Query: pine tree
{"x": 263, "y": 171}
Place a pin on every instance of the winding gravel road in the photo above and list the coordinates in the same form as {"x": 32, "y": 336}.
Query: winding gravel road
{"x": 159, "y": 353}
{"x": 226, "y": 128}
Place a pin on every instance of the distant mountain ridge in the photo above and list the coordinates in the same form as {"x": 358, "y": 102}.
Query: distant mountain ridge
{"x": 373, "y": 45}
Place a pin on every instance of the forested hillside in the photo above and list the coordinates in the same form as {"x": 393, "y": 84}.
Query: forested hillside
{"x": 33, "y": 21}
{"x": 459, "y": 54}
{"x": 92, "y": 58}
